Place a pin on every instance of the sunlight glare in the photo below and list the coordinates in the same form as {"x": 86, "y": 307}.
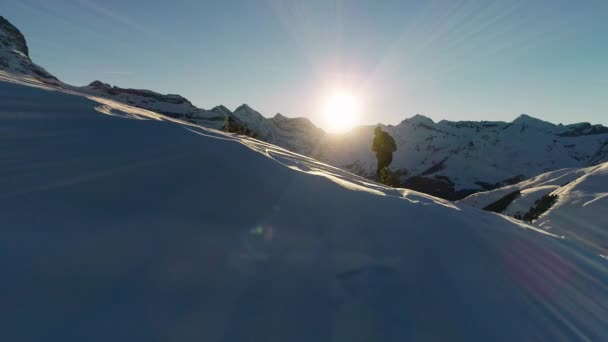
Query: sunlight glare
{"x": 340, "y": 112}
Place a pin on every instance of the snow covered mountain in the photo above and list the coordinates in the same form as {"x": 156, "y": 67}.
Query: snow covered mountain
{"x": 14, "y": 54}
{"x": 577, "y": 202}
{"x": 446, "y": 159}
{"x": 174, "y": 106}
{"x": 121, "y": 224}
{"x": 296, "y": 134}
{"x": 453, "y": 159}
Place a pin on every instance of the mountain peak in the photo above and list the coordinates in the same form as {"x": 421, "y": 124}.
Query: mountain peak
{"x": 244, "y": 107}
{"x": 527, "y": 121}
{"x": 527, "y": 118}
{"x": 522, "y": 117}
{"x": 280, "y": 117}
{"x": 248, "y": 114}
{"x": 221, "y": 108}
{"x": 99, "y": 85}
{"x": 419, "y": 119}
{"x": 14, "y": 54}
{"x": 11, "y": 37}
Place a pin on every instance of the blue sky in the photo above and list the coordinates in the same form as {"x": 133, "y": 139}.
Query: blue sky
{"x": 454, "y": 60}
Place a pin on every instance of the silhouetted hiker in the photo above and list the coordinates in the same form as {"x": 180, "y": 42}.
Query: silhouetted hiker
{"x": 384, "y": 146}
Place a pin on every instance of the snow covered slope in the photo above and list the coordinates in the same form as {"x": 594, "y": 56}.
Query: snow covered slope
{"x": 120, "y": 224}
{"x": 446, "y": 159}
{"x": 174, "y": 106}
{"x": 579, "y": 211}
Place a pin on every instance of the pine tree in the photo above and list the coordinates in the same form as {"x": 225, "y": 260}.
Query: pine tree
{"x": 384, "y": 146}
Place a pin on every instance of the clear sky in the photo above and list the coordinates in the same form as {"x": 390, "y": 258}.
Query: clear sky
{"x": 452, "y": 59}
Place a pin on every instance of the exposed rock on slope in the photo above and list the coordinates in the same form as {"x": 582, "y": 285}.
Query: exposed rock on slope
{"x": 175, "y": 106}
{"x": 578, "y": 210}
{"x": 296, "y": 134}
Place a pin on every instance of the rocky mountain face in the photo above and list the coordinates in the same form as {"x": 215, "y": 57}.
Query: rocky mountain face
{"x": 297, "y": 134}
{"x": 14, "y": 54}
{"x": 171, "y": 105}
{"x": 447, "y": 159}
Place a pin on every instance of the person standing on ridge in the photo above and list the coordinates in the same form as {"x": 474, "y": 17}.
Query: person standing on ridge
{"x": 384, "y": 146}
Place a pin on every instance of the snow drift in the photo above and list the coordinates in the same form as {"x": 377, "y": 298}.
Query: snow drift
{"x": 120, "y": 224}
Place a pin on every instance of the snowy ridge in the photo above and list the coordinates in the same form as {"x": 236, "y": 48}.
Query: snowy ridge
{"x": 174, "y": 106}
{"x": 579, "y": 212}
{"x": 150, "y": 227}
{"x": 457, "y": 158}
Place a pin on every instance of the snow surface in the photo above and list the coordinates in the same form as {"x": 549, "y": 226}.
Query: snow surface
{"x": 554, "y": 179}
{"x": 119, "y": 224}
{"x": 580, "y": 210}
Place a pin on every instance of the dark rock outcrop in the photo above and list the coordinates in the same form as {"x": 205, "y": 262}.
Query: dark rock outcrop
{"x": 12, "y": 37}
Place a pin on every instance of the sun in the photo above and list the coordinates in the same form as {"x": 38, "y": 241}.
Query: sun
{"x": 340, "y": 112}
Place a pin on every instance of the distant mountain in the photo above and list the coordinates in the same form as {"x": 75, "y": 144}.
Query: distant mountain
{"x": 296, "y": 134}
{"x": 569, "y": 202}
{"x": 448, "y": 159}
{"x": 453, "y": 159}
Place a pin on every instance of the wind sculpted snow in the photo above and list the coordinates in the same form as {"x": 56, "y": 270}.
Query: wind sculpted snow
{"x": 115, "y": 229}
{"x": 580, "y": 209}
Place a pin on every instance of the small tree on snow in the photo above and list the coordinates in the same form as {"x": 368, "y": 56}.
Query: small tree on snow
{"x": 384, "y": 146}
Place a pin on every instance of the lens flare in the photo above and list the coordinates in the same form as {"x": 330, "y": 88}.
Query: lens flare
{"x": 340, "y": 112}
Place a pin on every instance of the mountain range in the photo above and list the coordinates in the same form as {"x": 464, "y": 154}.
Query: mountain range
{"x": 448, "y": 159}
